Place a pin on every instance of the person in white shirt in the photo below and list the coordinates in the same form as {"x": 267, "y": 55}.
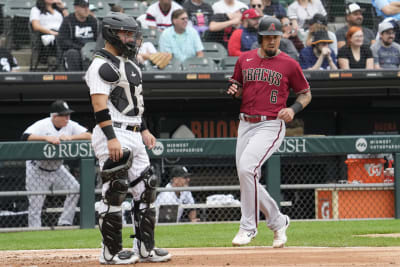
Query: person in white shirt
{"x": 42, "y": 175}
{"x": 228, "y": 6}
{"x": 158, "y": 15}
{"x": 180, "y": 177}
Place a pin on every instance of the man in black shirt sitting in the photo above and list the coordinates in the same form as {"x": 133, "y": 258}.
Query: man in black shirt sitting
{"x": 76, "y": 30}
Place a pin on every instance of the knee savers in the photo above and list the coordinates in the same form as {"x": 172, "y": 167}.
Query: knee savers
{"x": 150, "y": 180}
{"x": 117, "y": 174}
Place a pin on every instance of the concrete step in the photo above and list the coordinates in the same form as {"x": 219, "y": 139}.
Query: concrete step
{"x": 23, "y": 56}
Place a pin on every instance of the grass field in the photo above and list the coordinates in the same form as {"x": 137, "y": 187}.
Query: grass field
{"x": 302, "y": 233}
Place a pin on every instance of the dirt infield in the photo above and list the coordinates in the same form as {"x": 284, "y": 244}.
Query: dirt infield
{"x": 200, "y": 257}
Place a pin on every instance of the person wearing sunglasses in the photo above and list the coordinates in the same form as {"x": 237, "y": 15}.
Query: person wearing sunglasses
{"x": 258, "y": 5}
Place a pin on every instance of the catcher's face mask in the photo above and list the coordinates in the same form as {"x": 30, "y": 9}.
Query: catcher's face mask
{"x": 131, "y": 40}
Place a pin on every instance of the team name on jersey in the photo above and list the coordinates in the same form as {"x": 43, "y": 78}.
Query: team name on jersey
{"x": 263, "y": 75}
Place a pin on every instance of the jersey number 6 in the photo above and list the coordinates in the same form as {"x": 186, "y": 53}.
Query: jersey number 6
{"x": 274, "y": 96}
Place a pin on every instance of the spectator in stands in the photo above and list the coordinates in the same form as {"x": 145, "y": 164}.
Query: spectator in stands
{"x": 46, "y": 18}
{"x": 300, "y": 13}
{"x": 8, "y": 63}
{"x": 273, "y": 8}
{"x": 386, "y": 52}
{"x": 243, "y": 38}
{"x": 320, "y": 23}
{"x": 290, "y": 34}
{"x": 318, "y": 56}
{"x": 158, "y": 15}
{"x": 181, "y": 40}
{"x": 355, "y": 55}
{"x": 76, "y": 30}
{"x": 145, "y": 51}
{"x": 199, "y": 13}
{"x": 387, "y": 8}
{"x": 117, "y": 8}
{"x": 354, "y": 17}
{"x": 44, "y": 175}
{"x": 257, "y": 4}
{"x": 228, "y": 6}
{"x": 222, "y": 26}
{"x": 179, "y": 178}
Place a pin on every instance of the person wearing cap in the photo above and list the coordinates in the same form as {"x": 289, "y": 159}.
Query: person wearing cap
{"x": 181, "y": 40}
{"x": 263, "y": 79}
{"x": 318, "y": 56}
{"x": 355, "y": 54}
{"x": 386, "y": 52}
{"x": 44, "y": 175}
{"x": 76, "y": 30}
{"x": 179, "y": 177}
{"x": 354, "y": 17}
{"x": 243, "y": 38}
{"x": 387, "y": 8}
{"x": 320, "y": 23}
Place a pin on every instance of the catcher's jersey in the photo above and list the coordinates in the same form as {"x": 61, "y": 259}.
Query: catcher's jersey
{"x": 125, "y": 100}
{"x": 45, "y": 127}
{"x": 266, "y": 82}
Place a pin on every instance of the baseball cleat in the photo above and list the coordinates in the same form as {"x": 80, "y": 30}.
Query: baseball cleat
{"x": 280, "y": 237}
{"x": 243, "y": 237}
{"x": 123, "y": 257}
{"x": 157, "y": 255}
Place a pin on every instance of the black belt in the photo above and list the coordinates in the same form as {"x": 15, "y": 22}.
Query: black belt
{"x": 42, "y": 169}
{"x": 133, "y": 128}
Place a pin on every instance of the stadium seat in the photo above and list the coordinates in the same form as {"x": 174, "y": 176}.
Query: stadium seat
{"x": 16, "y": 22}
{"x": 215, "y": 51}
{"x": 87, "y": 52}
{"x": 102, "y": 7}
{"x": 199, "y": 64}
{"x": 228, "y": 63}
{"x": 173, "y": 65}
{"x": 151, "y": 35}
{"x": 133, "y": 8}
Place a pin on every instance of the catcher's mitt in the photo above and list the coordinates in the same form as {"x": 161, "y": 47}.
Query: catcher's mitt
{"x": 161, "y": 59}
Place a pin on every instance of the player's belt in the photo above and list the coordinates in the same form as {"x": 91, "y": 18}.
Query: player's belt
{"x": 42, "y": 169}
{"x": 133, "y": 128}
{"x": 255, "y": 118}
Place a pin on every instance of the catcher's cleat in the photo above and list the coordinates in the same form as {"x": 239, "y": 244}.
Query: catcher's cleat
{"x": 243, "y": 237}
{"x": 122, "y": 257}
{"x": 157, "y": 255}
{"x": 280, "y": 237}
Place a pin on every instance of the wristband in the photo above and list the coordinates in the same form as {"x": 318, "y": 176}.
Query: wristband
{"x": 297, "y": 107}
{"x": 102, "y": 115}
{"x": 108, "y": 132}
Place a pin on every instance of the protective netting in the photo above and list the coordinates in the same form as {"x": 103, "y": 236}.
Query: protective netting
{"x": 37, "y": 49}
{"x": 312, "y": 187}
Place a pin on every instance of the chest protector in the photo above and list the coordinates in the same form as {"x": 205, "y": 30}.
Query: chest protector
{"x": 126, "y": 84}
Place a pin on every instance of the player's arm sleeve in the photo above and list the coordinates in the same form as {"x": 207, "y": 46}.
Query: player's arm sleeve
{"x": 234, "y": 43}
{"x": 297, "y": 81}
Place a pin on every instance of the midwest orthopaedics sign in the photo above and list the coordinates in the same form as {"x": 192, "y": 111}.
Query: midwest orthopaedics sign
{"x": 68, "y": 150}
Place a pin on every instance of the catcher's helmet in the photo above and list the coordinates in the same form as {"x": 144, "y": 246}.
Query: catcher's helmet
{"x": 269, "y": 26}
{"x": 114, "y": 22}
